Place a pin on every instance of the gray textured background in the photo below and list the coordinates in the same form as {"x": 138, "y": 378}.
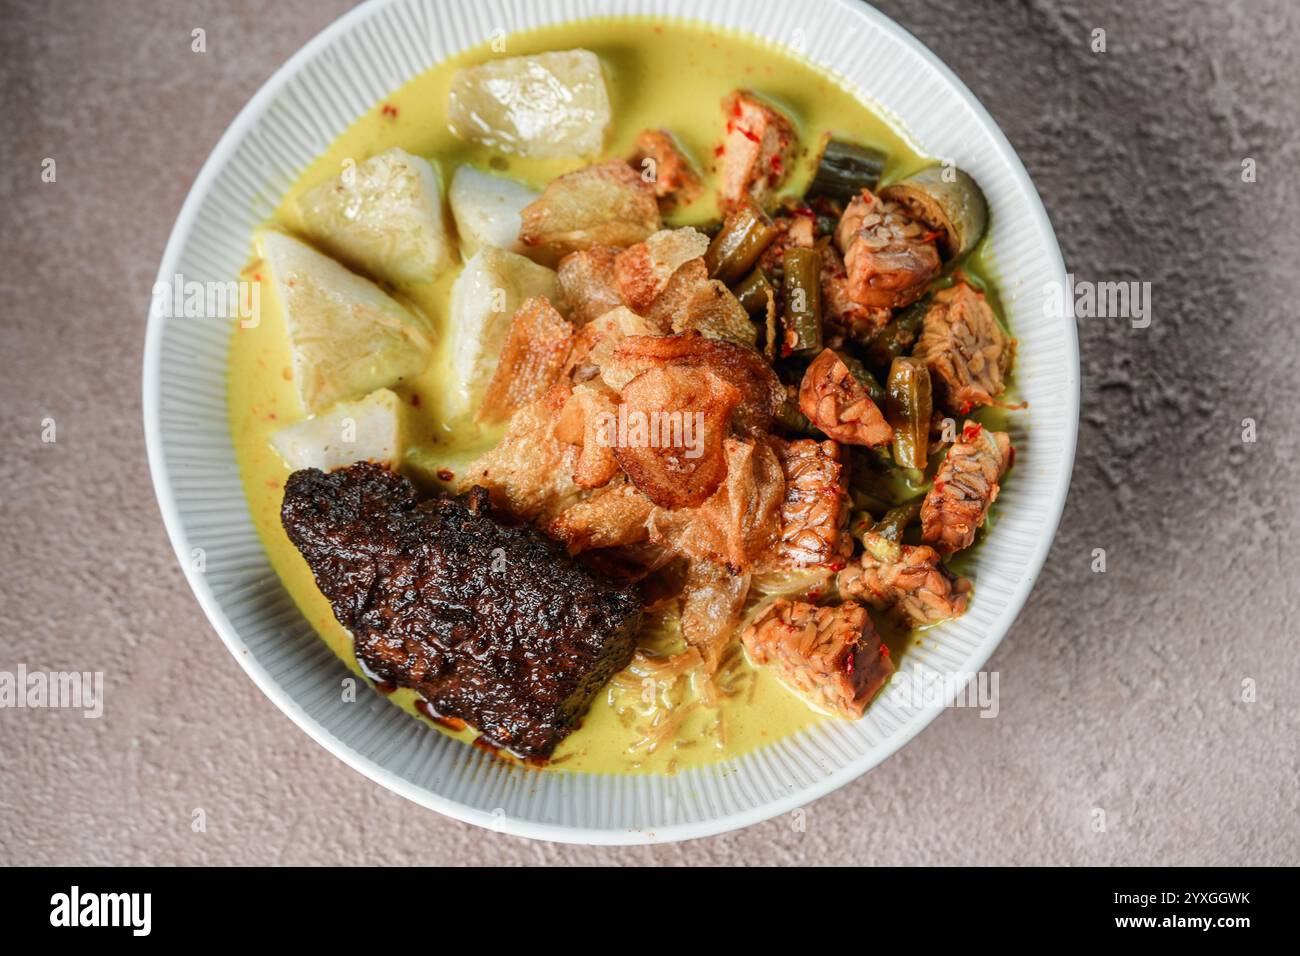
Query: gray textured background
{"x": 1120, "y": 691}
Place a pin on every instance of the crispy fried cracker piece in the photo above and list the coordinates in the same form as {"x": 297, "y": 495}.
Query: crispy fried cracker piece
{"x": 744, "y": 368}
{"x": 607, "y": 204}
{"x": 588, "y": 420}
{"x": 715, "y": 312}
{"x": 535, "y": 351}
{"x": 612, "y": 517}
{"x": 643, "y": 270}
{"x": 738, "y": 526}
{"x": 589, "y": 284}
{"x": 595, "y": 343}
{"x": 712, "y": 600}
{"x": 671, "y": 427}
{"x": 530, "y": 473}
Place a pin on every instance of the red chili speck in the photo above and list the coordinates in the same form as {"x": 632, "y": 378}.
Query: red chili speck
{"x": 389, "y": 110}
{"x": 939, "y": 486}
{"x": 719, "y": 150}
{"x": 971, "y": 431}
{"x": 966, "y": 407}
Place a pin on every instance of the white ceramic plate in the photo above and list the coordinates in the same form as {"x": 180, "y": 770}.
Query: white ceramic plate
{"x": 316, "y": 96}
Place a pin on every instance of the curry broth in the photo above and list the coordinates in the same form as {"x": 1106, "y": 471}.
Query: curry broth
{"x": 659, "y": 74}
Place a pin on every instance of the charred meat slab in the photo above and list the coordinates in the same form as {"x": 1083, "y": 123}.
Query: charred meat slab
{"x": 492, "y": 624}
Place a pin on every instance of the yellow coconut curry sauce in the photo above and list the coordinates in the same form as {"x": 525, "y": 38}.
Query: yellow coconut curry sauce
{"x": 659, "y": 75}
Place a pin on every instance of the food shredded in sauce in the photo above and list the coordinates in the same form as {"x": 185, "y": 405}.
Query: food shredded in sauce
{"x": 705, "y": 320}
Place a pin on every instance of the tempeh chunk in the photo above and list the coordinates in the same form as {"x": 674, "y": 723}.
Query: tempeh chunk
{"x": 830, "y": 656}
{"x": 816, "y": 505}
{"x": 890, "y": 257}
{"x": 675, "y": 179}
{"x": 968, "y": 354}
{"x": 757, "y": 149}
{"x": 838, "y": 404}
{"x": 909, "y": 580}
{"x": 966, "y": 484}
{"x": 852, "y": 320}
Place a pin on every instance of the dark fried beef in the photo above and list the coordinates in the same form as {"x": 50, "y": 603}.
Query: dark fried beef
{"x": 492, "y": 624}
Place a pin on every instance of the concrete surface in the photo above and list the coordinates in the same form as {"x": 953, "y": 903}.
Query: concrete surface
{"x": 1122, "y": 691}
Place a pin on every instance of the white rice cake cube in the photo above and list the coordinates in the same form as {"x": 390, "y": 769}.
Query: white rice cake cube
{"x": 376, "y": 428}
{"x": 486, "y": 209}
{"x": 547, "y": 105}
{"x": 347, "y": 337}
{"x": 383, "y": 217}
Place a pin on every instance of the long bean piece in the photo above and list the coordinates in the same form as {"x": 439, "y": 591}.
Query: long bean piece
{"x": 753, "y": 291}
{"x": 803, "y": 301}
{"x": 845, "y": 169}
{"x": 883, "y": 539}
{"x": 909, "y": 407}
{"x": 899, "y": 335}
{"x": 745, "y": 233}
